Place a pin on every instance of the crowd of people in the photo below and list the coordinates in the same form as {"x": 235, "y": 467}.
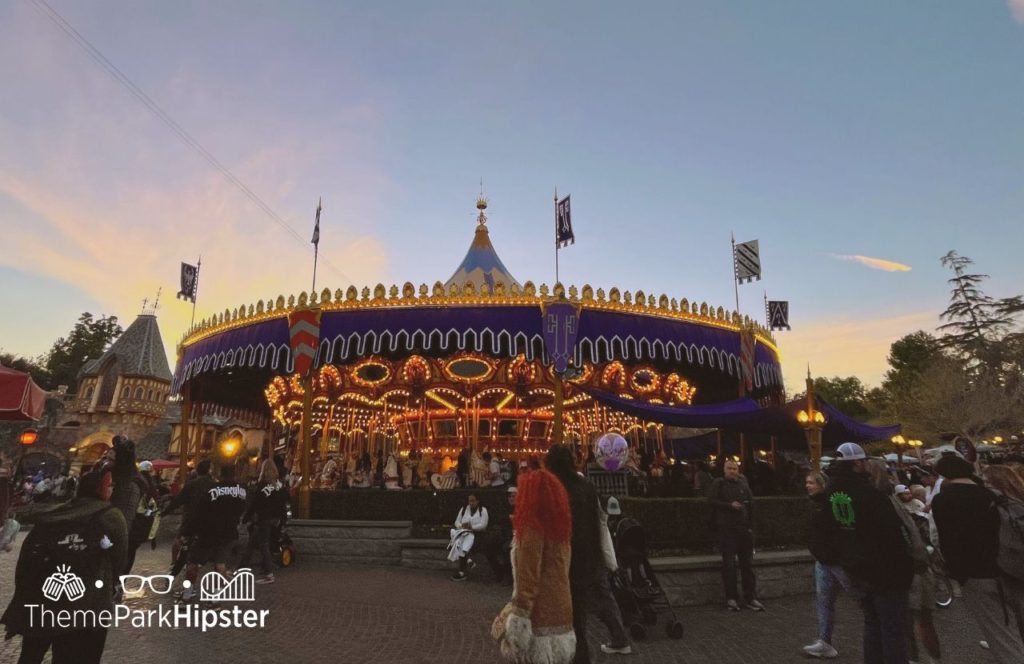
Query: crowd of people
{"x": 883, "y": 542}
{"x": 115, "y": 509}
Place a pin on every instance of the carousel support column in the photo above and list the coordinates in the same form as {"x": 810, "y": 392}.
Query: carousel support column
{"x": 304, "y": 446}
{"x": 186, "y": 413}
{"x": 718, "y": 445}
{"x": 744, "y": 452}
{"x": 774, "y": 458}
{"x": 558, "y": 432}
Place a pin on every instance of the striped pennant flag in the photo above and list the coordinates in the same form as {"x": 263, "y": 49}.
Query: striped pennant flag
{"x": 747, "y": 261}
{"x": 304, "y": 336}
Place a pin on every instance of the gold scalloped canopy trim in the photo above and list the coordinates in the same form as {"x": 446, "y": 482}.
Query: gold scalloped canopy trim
{"x": 409, "y": 297}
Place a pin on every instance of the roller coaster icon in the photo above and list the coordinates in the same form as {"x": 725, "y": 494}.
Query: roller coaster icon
{"x": 241, "y": 587}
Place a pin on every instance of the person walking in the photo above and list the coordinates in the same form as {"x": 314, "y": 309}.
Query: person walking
{"x": 536, "y": 626}
{"x": 216, "y": 526}
{"x": 588, "y": 577}
{"x": 733, "y": 519}
{"x": 921, "y": 598}
{"x": 829, "y": 577}
{"x": 188, "y": 499}
{"x": 264, "y": 514}
{"x": 87, "y": 538}
{"x": 873, "y": 551}
{"x": 968, "y": 521}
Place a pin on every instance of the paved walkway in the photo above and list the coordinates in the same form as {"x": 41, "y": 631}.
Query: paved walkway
{"x": 399, "y": 616}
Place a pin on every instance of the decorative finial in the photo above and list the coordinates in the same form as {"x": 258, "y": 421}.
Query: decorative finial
{"x": 481, "y": 204}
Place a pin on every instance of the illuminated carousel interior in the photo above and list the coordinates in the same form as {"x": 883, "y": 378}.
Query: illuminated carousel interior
{"x": 443, "y": 404}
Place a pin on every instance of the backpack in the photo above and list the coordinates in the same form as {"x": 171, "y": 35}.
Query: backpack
{"x": 1011, "y": 537}
{"x": 61, "y": 561}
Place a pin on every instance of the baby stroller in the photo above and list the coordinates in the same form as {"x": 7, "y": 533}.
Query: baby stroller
{"x": 635, "y": 586}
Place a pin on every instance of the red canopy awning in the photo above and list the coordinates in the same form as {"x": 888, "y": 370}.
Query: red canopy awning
{"x": 20, "y": 398}
{"x": 163, "y": 464}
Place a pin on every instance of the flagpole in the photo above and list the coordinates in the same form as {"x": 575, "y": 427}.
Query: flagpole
{"x": 316, "y": 252}
{"x": 556, "y": 235}
{"x": 316, "y": 242}
{"x": 767, "y": 313}
{"x": 735, "y": 277}
{"x": 195, "y": 291}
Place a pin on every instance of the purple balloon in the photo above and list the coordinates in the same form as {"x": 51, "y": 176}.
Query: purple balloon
{"x": 611, "y": 451}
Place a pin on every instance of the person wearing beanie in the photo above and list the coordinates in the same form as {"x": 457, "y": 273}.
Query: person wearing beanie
{"x": 967, "y": 520}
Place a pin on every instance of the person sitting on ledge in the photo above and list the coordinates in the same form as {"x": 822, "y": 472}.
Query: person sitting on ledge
{"x": 467, "y": 536}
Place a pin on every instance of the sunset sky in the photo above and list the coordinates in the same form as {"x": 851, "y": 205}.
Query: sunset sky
{"x": 859, "y": 142}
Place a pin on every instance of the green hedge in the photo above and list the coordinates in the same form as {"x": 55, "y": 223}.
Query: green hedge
{"x": 685, "y": 523}
{"x": 423, "y": 508}
{"x": 670, "y": 523}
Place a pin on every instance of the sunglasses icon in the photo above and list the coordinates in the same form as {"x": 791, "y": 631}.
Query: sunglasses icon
{"x": 160, "y": 584}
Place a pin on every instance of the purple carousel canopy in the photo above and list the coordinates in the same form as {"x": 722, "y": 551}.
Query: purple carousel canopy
{"x": 608, "y": 331}
{"x": 747, "y": 416}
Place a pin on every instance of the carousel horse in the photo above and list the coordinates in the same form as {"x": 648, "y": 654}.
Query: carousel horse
{"x": 391, "y": 473}
{"x": 424, "y": 469}
{"x": 478, "y": 470}
{"x": 408, "y": 470}
{"x": 329, "y": 474}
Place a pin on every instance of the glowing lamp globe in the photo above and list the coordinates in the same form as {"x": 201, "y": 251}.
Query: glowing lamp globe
{"x": 611, "y": 451}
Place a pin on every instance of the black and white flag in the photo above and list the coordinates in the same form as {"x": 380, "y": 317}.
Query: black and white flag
{"x": 316, "y": 228}
{"x": 747, "y": 260}
{"x": 778, "y": 315}
{"x": 563, "y": 224}
{"x": 189, "y": 282}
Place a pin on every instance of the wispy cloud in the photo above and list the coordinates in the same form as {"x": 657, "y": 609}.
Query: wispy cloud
{"x": 874, "y": 263}
{"x": 100, "y": 196}
{"x": 1016, "y": 9}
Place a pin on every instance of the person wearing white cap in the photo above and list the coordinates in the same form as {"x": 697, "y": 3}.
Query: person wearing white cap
{"x": 873, "y": 552}
{"x": 907, "y": 500}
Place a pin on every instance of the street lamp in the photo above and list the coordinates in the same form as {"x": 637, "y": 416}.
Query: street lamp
{"x": 813, "y": 421}
{"x": 916, "y": 445}
{"x": 899, "y": 441}
{"x": 28, "y": 438}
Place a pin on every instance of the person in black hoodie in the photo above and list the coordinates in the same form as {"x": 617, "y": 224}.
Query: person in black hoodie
{"x": 874, "y": 550}
{"x": 829, "y": 577}
{"x": 188, "y": 499}
{"x": 216, "y": 525}
{"x": 588, "y": 579}
{"x": 265, "y": 510}
{"x": 968, "y": 522}
{"x": 88, "y": 530}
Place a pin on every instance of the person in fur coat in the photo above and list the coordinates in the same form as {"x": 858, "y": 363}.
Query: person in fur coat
{"x": 536, "y": 626}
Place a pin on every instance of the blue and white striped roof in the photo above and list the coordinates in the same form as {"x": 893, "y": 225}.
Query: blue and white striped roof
{"x": 481, "y": 264}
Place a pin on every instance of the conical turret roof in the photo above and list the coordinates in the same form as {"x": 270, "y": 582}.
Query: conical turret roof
{"x": 482, "y": 264}
{"x": 139, "y": 351}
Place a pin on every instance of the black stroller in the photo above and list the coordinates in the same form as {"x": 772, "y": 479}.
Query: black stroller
{"x": 635, "y": 586}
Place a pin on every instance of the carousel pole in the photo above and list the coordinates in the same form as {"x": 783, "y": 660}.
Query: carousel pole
{"x": 186, "y": 413}
{"x": 304, "y": 445}
{"x": 558, "y": 432}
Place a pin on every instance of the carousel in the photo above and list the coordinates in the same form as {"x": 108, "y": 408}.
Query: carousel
{"x": 407, "y": 372}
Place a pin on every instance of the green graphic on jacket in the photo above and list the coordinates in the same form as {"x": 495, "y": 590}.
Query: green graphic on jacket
{"x": 842, "y": 509}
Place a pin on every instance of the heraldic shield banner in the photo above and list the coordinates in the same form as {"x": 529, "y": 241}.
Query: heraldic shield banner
{"x": 304, "y": 335}
{"x": 561, "y": 328}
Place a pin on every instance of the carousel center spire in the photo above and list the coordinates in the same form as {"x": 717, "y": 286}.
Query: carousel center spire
{"x": 481, "y": 265}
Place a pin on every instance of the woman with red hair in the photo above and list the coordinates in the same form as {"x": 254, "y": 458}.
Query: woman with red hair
{"x": 536, "y": 626}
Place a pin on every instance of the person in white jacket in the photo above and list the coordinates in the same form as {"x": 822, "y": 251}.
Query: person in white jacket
{"x": 467, "y": 536}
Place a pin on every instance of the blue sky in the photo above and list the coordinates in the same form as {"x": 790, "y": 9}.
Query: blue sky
{"x": 886, "y": 130}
